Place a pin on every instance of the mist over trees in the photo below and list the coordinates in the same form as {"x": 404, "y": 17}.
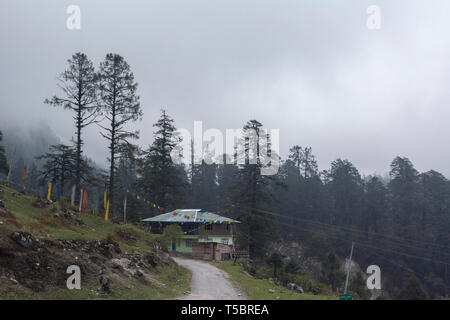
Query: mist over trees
{"x": 401, "y": 224}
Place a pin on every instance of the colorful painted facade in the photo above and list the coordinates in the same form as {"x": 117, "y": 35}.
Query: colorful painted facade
{"x": 206, "y": 235}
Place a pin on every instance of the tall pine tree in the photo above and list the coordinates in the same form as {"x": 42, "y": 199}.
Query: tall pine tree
{"x": 161, "y": 179}
{"x": 79, "y": 86}
{"x": 120, "y": 105}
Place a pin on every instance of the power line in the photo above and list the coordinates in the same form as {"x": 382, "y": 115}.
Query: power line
{"x": 369, "y": 246}
{"x": 349, "y": 229}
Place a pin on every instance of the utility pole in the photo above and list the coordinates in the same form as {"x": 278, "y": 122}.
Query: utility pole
{"x": 348, "y": 268}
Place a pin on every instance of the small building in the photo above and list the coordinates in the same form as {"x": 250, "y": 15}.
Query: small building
{"x": 207, "y": 235}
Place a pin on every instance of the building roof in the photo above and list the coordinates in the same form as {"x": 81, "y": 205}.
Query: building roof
{"x": 191, "y": 215}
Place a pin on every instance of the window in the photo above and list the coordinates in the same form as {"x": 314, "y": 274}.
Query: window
{"x": 188, "y": 243}
{"x": 224, "y": 241}
{"x": 209, "y": 227}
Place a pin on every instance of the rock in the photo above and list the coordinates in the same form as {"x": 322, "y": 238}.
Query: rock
{"x": 163, "y": 256}
{"x": 295, "y": 287}
{"x": 120, "y": 263}
{"x": 106, "y": 284}
{"x": 13, "y": 280}
{"x": 23, "y": 239}
{"x": 271, "y": 291}
{"x": 152, "y": 259}
{"x": 299, "y": 289}
{"x": 128, "y": 266}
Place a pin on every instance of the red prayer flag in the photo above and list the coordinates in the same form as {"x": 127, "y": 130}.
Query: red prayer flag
{"x": 24, "y": 176}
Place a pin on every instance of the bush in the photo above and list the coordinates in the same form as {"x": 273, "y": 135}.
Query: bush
{"x": 170, "y": 234}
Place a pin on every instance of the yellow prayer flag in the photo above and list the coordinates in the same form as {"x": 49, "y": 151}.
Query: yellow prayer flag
{"x": 49, "y": 192}
{"x": 107, "y": 210}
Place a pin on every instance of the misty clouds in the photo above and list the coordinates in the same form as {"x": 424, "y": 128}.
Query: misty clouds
{"x": 310, "y": 68}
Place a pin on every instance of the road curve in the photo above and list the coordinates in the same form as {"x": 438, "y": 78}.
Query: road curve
{"x": 208, "y": 282}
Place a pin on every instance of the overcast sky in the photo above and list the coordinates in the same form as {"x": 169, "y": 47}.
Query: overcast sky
{"x": 310, "y": 68}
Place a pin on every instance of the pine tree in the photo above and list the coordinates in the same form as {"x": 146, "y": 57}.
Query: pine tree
{"x": 204, "y": 185}
{"x": 359, "y": 286}
{"x": 406, "y": 197}
{"x": 346, "y": 187}
{"x": 304, "y": 161}
{"x": 119, "y": 105}
{"x": 161, "y": 179}
{"x": 375, "y": 214}
{"x": 276, "y": 261}
{"x": 413, "y": 290}
{"x": 3, "y": 162}
{"x": 226, "y": 173}
{"x": 60, "y": 165}
{"x": 331, "y": 273}
{"x": 252, "y": 191}
{"x": 79, "y": 86}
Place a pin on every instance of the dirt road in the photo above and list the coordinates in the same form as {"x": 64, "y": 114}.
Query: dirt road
{"x": 208, "y": 282}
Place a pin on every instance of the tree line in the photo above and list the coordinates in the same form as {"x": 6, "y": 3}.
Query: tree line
{"x": 400, "y": 223}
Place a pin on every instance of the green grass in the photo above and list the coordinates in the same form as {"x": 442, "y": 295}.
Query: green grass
{"x": 258, "y": 289}
{"x": 176, "y": 280}
{"x": 42, "y": 223}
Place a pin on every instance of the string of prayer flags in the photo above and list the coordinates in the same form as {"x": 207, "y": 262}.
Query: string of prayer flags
{"x": 140, "y": 198}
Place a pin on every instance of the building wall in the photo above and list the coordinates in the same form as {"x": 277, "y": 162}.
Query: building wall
{"x": 216, "y": 229}
{"x": 226, "y": 239}
{"x": 203, "y": 251}
{"x": 222, "y": 252}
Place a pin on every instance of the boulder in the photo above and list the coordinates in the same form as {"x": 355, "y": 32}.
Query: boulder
{"x": 23, "y": 239}
{"x": 271, "y": 291}
{"x": 123, "y": 263}
{"x": 295, "y": 287}
{"x": 163, "y": 257}
{"x": 128, "y": 266}
{"x": 299, "y": 289}
{"x": 106, "y": 284}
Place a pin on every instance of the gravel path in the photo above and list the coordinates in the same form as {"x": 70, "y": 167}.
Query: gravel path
{"x": 208, "y": 282}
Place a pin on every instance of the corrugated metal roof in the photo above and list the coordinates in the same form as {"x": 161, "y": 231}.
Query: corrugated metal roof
{"x": 190, "y": 215}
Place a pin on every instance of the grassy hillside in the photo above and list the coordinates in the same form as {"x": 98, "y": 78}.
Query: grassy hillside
{"x": 62, "y": 237}
{"x": 259, "y": 288}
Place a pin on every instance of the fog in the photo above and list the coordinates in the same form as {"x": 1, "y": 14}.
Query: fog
{"x": 309, "y": 68}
